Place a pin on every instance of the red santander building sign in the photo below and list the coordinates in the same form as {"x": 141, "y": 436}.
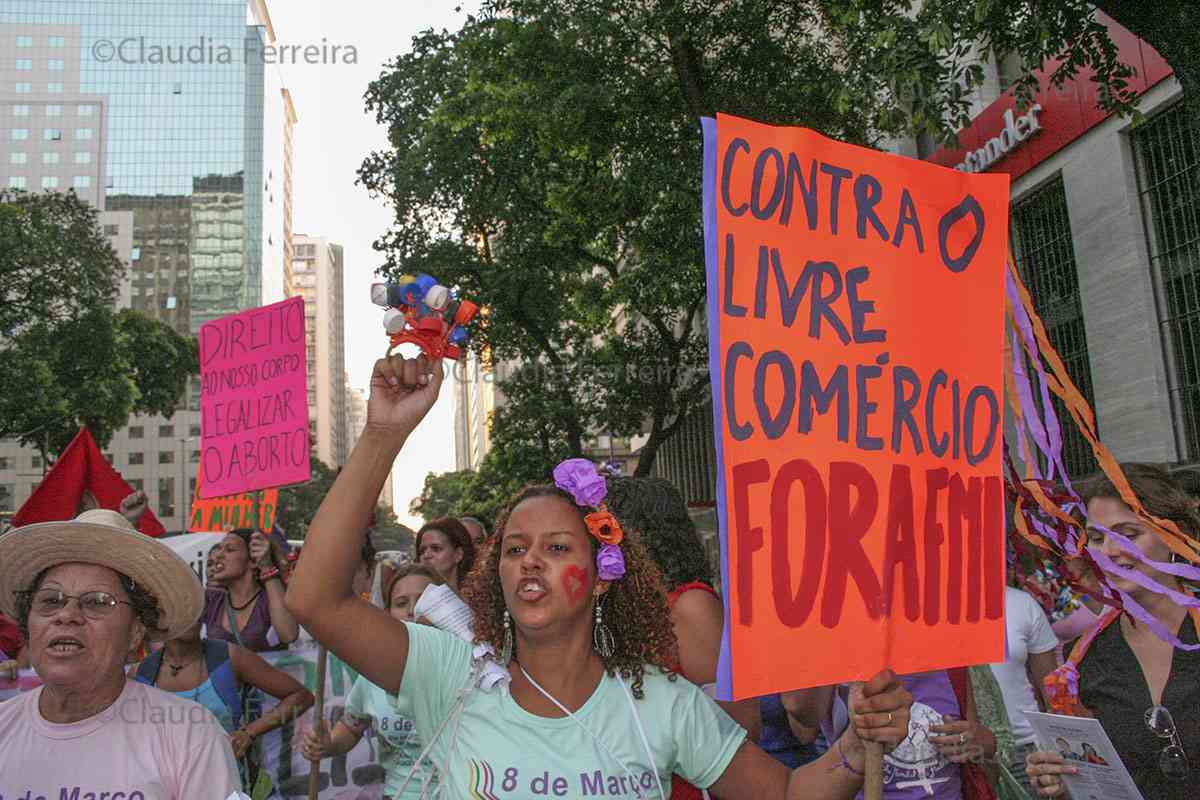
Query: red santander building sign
{"x": 1005, "y": 139}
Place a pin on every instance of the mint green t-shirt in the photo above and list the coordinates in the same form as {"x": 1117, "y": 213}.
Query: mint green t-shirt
{"x": 396, "y": 737}
{"x": 494, "y": 749}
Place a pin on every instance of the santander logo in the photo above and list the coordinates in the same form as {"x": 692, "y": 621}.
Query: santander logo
{"x": 1016, "y": 131}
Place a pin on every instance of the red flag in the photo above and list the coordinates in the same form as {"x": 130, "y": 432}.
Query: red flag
{"x": 80, "y": 468}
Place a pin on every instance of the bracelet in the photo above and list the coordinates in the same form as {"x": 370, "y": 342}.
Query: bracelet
{"x": 268, "y": 573}
{"x": 846, "y": 764}
{"x": 293, "y": 555}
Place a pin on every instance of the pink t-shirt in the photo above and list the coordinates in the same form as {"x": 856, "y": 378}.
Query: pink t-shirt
{"x": 149, "y": 745}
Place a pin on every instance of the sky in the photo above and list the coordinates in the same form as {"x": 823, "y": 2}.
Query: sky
{"x": 333, "y": 135}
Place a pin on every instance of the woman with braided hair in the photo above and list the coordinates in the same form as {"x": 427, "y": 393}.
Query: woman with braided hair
{"x": 577, "y": 611}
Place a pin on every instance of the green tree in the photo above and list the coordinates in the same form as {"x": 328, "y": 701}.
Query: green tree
{"x": 442, "y": 494}
{"x": 298, "y": 503}
{"x": 925, "y": 58}
{"x": 55, "y": 261}
{"x": 546, "y": 159}
{"x": 521, "y": 453}
{"x": 67, "y": 359}
{"x": 390, "y": 533}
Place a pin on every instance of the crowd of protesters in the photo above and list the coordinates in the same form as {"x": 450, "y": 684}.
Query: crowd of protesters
{"x": 593, "y": 597}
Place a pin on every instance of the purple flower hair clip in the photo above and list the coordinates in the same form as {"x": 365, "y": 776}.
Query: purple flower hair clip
{"x": 610, "y": 563}
{"x": 580, "y": 479}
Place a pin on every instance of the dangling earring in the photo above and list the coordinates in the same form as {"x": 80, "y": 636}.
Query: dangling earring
{"x": 507, "y": 650}
{"x": 602, "y": 637}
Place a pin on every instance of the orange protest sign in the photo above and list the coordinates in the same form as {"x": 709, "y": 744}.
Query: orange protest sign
{"x": 232, "y": 511}
{"x": 856, "y": 346}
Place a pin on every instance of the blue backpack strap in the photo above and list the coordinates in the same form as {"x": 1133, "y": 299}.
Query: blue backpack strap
{"x": 224, "y": 679}
{"x": 147, "y": 671}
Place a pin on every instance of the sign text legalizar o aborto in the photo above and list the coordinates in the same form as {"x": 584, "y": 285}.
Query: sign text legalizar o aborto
{"x": 254, "y": 400}
{"x": 856, "y": 343}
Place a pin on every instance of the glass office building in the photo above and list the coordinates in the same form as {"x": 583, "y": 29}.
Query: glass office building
{"x": 197, "y": 128}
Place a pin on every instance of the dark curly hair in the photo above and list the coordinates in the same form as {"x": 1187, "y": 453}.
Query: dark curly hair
{"x": 459, "y": 537}
{"x": 145, "y": 606}
{"x": 635, "y": 607}
{"x": 656, "y": 508}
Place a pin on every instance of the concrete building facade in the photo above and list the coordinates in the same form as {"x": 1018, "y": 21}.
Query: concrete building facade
{"x": 317, "y": 276}
{"x": 1104, "y": 232}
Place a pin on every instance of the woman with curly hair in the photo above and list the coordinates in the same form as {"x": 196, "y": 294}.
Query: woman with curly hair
{"x": 577, "y": 610}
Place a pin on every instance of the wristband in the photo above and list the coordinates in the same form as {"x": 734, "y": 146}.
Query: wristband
{"x": 268, "y": 573}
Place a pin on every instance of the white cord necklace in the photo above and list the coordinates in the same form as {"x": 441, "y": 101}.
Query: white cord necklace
{"x": 637, "y": 719}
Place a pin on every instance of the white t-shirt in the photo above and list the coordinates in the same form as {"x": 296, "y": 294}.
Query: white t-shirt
{"x": 148, "y": 745}
{"x": 1028, "y": 633}
{"x": 491, "y": 747}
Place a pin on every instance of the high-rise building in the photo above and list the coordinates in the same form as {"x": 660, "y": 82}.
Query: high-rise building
{"x": 356, "y": 412}
{"x": 356, "y": 420}
{"x": 475, "y": 400}
{"x": 167, "y": 116}
{"x": 317, "y": 274}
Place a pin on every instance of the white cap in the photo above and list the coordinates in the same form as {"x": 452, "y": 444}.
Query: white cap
{"x": 393, "y": 320}
{"x": 438, "y": 297}
{"x": 379, "y": 293}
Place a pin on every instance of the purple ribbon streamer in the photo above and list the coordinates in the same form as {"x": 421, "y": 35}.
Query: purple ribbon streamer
{"x": 1053, "y": 449}
{"x": 1145, "y": 581}
{"x": 1179, "y": 570}
{"x": 1139, "y": 613}
{"x": 1049, "y": 440}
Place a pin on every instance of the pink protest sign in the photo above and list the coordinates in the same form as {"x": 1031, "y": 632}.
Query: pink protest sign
{"x": 254, "y": 400}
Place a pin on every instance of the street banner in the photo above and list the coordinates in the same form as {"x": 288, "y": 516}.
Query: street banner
{"x": 254, "y": 400}
{"x": 222, "y": 514}
{"x": 355, "y": 775}
{"x": 856, "y": 340}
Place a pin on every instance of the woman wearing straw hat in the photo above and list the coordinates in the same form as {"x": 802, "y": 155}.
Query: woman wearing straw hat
{"x": 86, "y": 593}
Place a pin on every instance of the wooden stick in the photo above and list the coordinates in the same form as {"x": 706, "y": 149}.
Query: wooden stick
{"x": 314, "y": 768}
{"x": 873, "y": 782}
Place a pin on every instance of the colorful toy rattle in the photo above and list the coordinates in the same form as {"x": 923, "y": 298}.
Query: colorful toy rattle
{"x": 422, "y": 311}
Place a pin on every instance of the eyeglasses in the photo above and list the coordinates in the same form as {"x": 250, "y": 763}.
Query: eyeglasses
{"x": 95, "y": 605}
{"x": 1172, "y": 761}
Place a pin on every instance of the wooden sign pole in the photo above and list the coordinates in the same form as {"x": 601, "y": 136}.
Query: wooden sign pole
{"x": 314, "y": 768}
{"x": 873, "y": 782}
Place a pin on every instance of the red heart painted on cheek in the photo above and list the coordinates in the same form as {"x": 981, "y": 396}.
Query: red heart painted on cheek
{"x": 574, "y": 580}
